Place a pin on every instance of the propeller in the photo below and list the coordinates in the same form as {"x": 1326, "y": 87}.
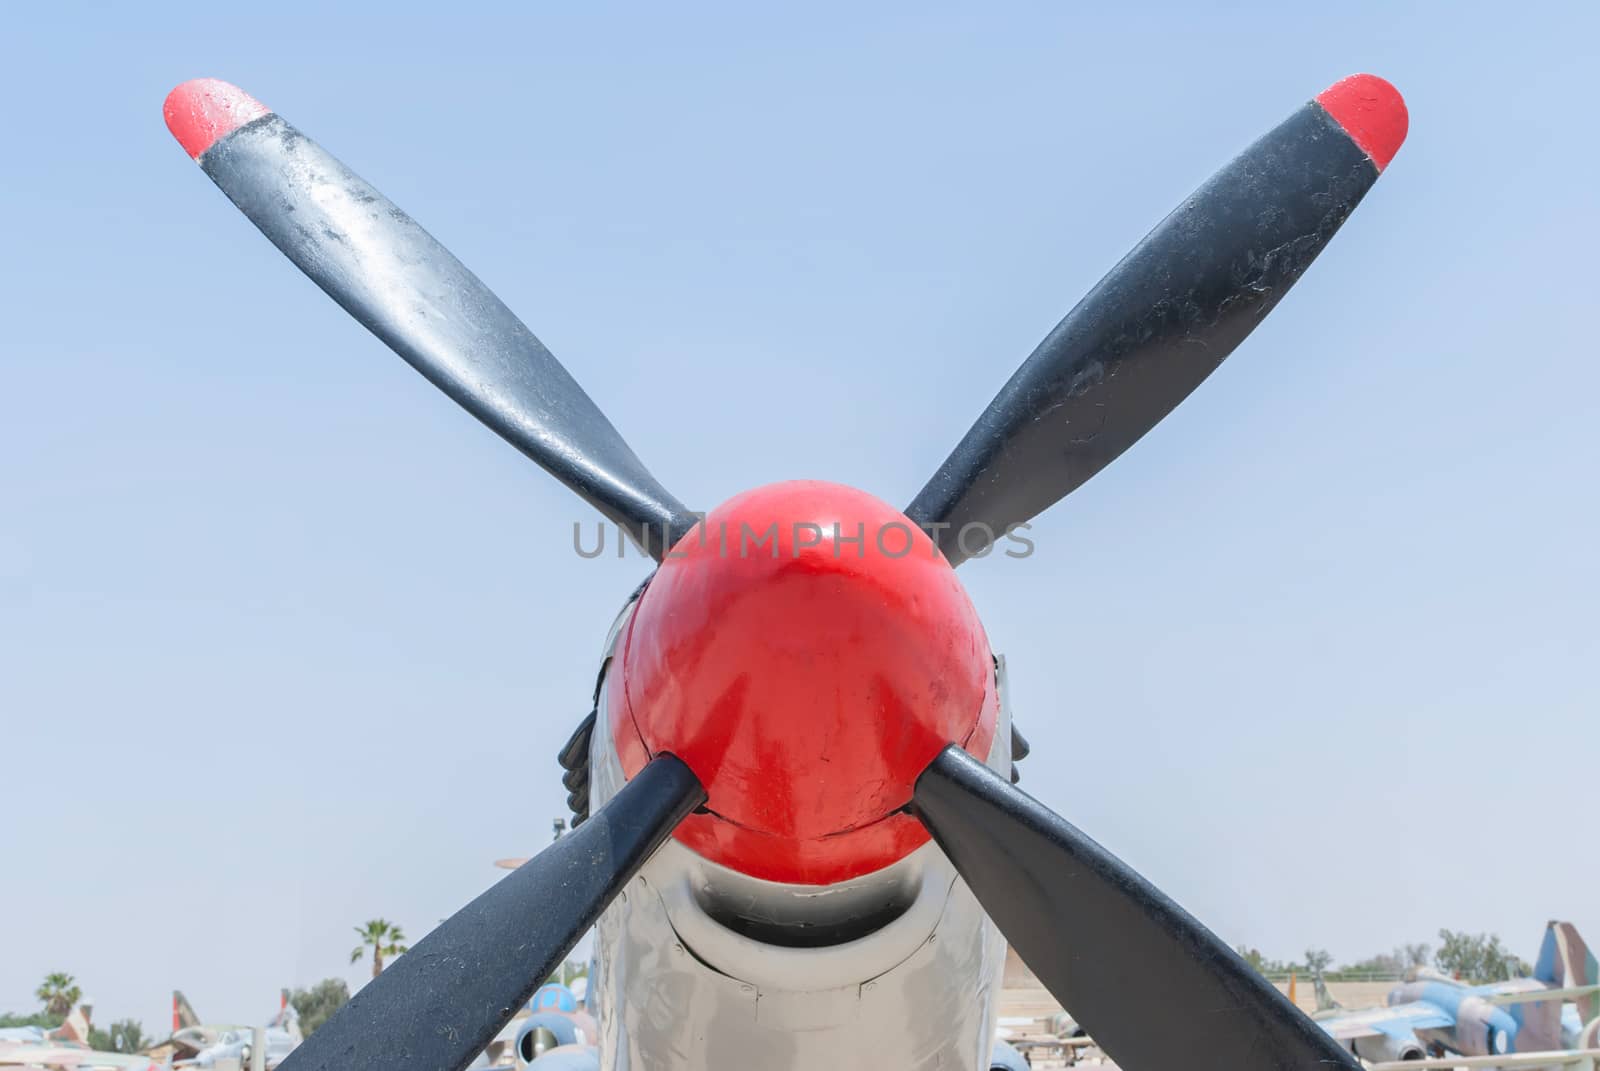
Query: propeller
{"x": 1105, "y": 942}
{"x": 1164, "y": 318}
{"x": 407, "y": 289}
{"x": 439, "y": 1005}
{"x": 1101, "y": 938}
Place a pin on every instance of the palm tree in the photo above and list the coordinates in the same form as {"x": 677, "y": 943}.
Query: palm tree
{"x": 384, "y": 938}
{"x": 59, "y": 994}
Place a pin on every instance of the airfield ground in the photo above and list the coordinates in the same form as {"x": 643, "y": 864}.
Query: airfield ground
{"x": 1023, "y": 998}
{"x": 1022, "y": 995}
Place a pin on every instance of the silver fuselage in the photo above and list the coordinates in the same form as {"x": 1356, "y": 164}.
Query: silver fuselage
{"x": 698, "y": 966}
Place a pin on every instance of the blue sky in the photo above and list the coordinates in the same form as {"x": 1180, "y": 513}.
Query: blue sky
{"x": 287, "y": 641}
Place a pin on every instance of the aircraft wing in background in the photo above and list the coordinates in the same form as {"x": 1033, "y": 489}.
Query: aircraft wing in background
{"x": 1395, "y": 1021}
{"x": 71, "y": 1056}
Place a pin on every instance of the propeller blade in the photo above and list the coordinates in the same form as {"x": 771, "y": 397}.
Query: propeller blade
{"x": 1164, "y": 318}
{"x": 407, "y": 289}
{"x": 1106, "y": 943}
{"x": 439, "y": 1005}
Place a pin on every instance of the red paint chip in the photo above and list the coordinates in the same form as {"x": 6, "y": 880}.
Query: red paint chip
{"x": 1371, "y": 111}
{"x": 202, "y": 112}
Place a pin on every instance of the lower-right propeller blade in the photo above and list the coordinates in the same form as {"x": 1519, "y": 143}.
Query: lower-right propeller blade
{"x": 441, "y": 1003}
{"x": 1106, "y": 943}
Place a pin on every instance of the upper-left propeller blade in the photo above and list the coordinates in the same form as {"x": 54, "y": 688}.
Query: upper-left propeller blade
{"x": 439, "y": 1005}
{"x": 407, "y": 289}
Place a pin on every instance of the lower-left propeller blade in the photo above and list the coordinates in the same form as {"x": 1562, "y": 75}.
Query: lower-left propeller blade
{"x": 440, "y": 1004}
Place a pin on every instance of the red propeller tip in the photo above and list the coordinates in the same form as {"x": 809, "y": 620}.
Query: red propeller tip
{"x": 203, "y": 111}
{"x": 1371, "y": 111}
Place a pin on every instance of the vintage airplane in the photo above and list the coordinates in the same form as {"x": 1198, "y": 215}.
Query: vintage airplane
{"x": 800, "y": 836}
{"x": 1433, "y": 1013}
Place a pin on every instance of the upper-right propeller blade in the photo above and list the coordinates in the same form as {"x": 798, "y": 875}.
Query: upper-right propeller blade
{"x": 1106, "y": 943}
{"x": 1164, "y": 318}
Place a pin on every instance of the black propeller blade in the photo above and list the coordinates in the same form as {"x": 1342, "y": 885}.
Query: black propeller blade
{"x": 1163, "y": 319}
{"x": 1106, "y": 943}
{"x": 407, "y": 289}
{"x": 439, "y": 1005}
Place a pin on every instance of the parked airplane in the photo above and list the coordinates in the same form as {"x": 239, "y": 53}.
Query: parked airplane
{"x": 67, "y": 1046}
{"x": 1434, "y": 1013}
{"x": 559, "y": 1032}
{"x": 183, "y": 1015}
{"x": 74, "y": 1030}
{"x": 796, "y": 822}
{"x": 201, "y": 1044}
{"x": 189, "y": 1034}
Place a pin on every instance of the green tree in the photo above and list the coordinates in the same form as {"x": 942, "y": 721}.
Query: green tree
{"x": 59, "y": 994}
{"x": 1317, "y": 960}
{"x": 1396, "y": 962}
{"x": 316, "y": 1004}
{"x": 43, "y": 1020}
{"x": 1382, "y": 963}
{"x": 125, "y": 1035}
{"x": 1261, "y": 963}
{"x": 384, "y": 938}
{"x": 1477, "y": 957}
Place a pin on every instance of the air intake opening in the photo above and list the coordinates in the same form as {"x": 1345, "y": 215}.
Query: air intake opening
{"x": 800, "y": 916}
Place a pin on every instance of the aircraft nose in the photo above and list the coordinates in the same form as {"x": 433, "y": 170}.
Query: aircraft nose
{"x": 807, "y": 651}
